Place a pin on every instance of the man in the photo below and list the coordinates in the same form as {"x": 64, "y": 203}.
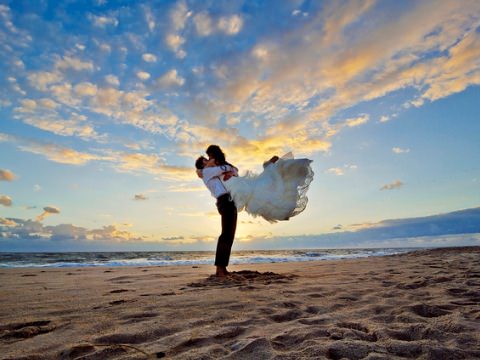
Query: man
{"x": 210, "y": 171}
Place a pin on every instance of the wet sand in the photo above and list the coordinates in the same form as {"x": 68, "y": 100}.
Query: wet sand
{"x": 422, "y": 305}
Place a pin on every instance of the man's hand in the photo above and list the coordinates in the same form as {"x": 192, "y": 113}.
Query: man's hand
{"x": 200, "y": 173}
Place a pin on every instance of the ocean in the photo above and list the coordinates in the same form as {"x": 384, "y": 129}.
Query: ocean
{"x": 169, "y": 258}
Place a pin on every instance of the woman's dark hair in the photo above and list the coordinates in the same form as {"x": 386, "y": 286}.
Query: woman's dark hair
{"x": 217, "y": 153}
{"x": 199, "y": 162}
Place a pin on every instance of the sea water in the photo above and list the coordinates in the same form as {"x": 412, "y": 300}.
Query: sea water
{"x": 169, "y": 258}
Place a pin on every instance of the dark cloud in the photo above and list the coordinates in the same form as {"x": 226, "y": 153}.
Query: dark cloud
{"x": 393, "y": 186}
{"x": 48, "y": 210}
{"x": 140, "y": 197}
{"x": 458, "y": 228}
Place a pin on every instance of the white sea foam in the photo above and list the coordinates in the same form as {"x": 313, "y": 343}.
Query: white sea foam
{"x": 60, "y": 260}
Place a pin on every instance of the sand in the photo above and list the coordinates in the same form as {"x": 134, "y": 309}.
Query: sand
{"x": 423, "y": 305}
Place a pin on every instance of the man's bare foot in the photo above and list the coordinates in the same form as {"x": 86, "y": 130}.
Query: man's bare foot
{"x": 222, "y": 271}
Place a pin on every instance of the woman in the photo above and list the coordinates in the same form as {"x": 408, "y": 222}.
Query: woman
{"x": 278, "y": 193}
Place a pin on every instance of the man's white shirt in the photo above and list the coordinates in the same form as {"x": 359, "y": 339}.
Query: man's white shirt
{"x": 211, "y": 178}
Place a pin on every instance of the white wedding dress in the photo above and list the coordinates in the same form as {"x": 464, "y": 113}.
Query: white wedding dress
{"x": 278, "y": 193}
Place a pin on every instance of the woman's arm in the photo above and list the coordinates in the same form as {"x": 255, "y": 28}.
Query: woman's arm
{"x": 215, "y": 171}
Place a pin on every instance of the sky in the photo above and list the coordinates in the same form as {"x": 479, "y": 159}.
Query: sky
{"x": 105, "y": 105}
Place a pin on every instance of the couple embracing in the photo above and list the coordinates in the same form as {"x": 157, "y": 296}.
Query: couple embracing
{"x": 278, "y": 193}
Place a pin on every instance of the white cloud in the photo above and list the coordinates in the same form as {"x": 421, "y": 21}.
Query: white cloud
{"x": 37, "y": 188}
{"x": 105, "y": 47}
{"x": 48, "y": 103}
{"x": 85, "y": 89}
{"x": 179, "y": 15}
{"x": 142, "y": 75}
{"x": 27, "y": 106}
{"x": 103, "y": 21}
{"x": 73, "y": 126}
{"x": 112, "y": 80}
{"x": 174, "y": 42}
{"x": 68, "y": 62}
{"x": 398, "y": 150}
{"x": 40, "y": 80}
{"x": 171, "y": 78}
{"x": 150, "y": 19}
{"x": 357, "y": 121}
{"x": 203, "y": 23}
{"x": 230, "y": 25}
{"x": 149, "y": 57}
{"x": 336, "y": 171}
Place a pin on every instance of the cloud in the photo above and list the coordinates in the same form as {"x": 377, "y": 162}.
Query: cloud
{"x": 41, "y": 79}
{"x": 7, "y": 175}
{"x": 103, "y": 21}
{"x": 140, "y": 197}
{"x": 230, "y": 25}
{"x": 398, "y": 150}
{"x": 179, "y": 15}
{"x": 7, "y": 222}
{"x": 5, "y": 200}
{"x": 68, "y": 62}
{"x": 174, "y": 42}
{"x": 28, "y": 230}
{"x": 150, "y": 19}
{"x": 47, "y": 210}
{"x": 171, "y": 78}
{"x": 357, "y": 121}
{"x": 341, "y": 171}
{"x": 85, "y": 89}
{"x": 336, "y": 171}
{"x": 37, "y": 188}
{"x": 57, "y": 153}
{"x": 111, "y": 232}
{"x": 76, "y": 125}
{"x": 112, "y": 80}
{"x": 393, "y": 186}
{"x": 149, "y": 57}
{"x": 458, "y": 228}
{"x": 173, "y": 238}
{"x": 142, "y": 75}
{"x": 203, "y": 23}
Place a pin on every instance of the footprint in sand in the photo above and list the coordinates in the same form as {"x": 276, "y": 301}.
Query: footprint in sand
{"x": 428, "y": 311}
{"x": 22, "y": 331}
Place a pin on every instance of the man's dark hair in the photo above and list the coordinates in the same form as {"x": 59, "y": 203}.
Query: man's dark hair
{"x": 199, "y": 162}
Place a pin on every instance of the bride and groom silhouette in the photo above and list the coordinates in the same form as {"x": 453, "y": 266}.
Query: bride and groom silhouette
{"x": 276, "y": 194}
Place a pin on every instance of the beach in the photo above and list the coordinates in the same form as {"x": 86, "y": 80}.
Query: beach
{"x": 424, "y": 304}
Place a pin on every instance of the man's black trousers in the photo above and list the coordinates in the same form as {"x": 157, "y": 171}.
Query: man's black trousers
{"x": 228, "y": 211}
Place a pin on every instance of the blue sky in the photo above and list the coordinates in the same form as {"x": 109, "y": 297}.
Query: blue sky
{"x": 105, "y": 105}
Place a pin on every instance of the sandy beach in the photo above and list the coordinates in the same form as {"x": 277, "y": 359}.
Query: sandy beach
{"x": 423, "y": 305}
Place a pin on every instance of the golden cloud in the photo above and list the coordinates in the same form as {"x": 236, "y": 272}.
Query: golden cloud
{"x": 7, "y": 175}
